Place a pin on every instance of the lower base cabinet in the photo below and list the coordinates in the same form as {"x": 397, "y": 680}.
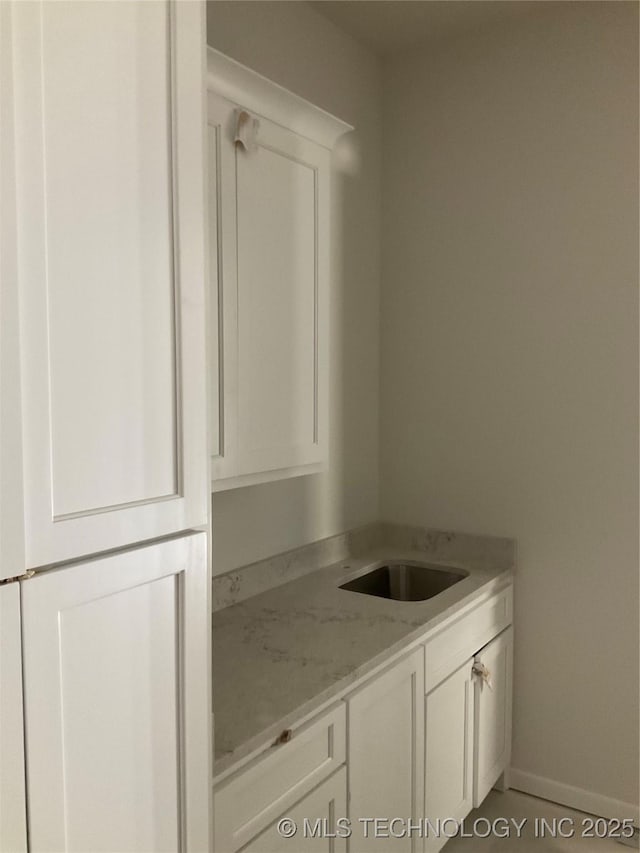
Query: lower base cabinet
{"x": 311, "y": 826}
{"x": 386, "y": 755}
{"x": 449, "y": 711}
{"x": 250, "y": 802}
{"x": 424, "y": 739}
{"x": 492, "y": 717}
{"x": 468, "y": 736}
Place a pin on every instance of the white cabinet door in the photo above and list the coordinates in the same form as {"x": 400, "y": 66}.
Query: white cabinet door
{"x": 492, "y": 727}
{"x": 110, "y": 235}
{"x": 269, "y": 235}
{"x": 314, "y": 818}
{"x": 282, "y": 216}
{"x": 13, "y": 814}
{"x": 386, "y": 753}
{"x": 449, "y": 751}
{"x": 116, "y": 675}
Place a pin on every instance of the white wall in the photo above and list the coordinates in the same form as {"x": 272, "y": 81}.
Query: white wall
{"x": 298, "y": 48}
{"x": 510, "y": 352}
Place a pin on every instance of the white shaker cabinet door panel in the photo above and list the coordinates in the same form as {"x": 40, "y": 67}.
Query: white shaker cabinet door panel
{"x": 282, "y": 187}
{"x": 386, "y": 754}
{"x": 269, "y": 214}
{"x": 111, "y": 270}
{"x": 13, "y": 814}
{"x": 493, "y": 715}
{"x": 449, "y": 751}
{"x": 116, "y": 702}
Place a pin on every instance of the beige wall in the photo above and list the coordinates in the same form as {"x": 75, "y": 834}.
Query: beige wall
{"x": 510, "y": 352}
{"x": 298, "y": 48}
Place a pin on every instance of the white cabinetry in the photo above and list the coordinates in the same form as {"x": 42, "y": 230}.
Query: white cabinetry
{"x": 492, "y": 725}
{"x": 104, "y": 653}
{"x": 386, "y": 753}
{"x": 13, "y": 815}
{"x": 449, "y": 750}
{"x": 109, "y": 152}
{"x": 423, "y": 739}
{"x": 314, "y": 817}
{"x": 116, "y": 701}
{"x": 248, "y": 803}
{"x": 467, "y": 719}
{"x": 269, "y": 213}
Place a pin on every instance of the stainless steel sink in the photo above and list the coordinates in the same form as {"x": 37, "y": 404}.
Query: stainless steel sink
{"x": 405, "y": 581}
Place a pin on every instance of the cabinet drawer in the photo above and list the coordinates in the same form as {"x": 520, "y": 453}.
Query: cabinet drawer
{"x": 322, "y": 807}
{"x": 463, "y": 638}
{"x": 253, "y": 797}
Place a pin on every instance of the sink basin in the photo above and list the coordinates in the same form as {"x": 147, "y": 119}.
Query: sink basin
{"x": 405, "y": 581}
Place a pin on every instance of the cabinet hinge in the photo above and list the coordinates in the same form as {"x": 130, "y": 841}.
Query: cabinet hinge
{"x": 23, "y": 577}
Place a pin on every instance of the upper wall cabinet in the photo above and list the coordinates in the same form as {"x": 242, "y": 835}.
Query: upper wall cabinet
{"x": 270, "y": 174}
{"x": 110, "y": 157}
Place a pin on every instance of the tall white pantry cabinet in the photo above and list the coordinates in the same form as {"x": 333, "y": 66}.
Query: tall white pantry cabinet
{"x": 104, "y": 487}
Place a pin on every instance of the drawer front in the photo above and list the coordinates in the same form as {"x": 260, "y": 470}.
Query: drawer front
{"x": 449, "y": 649}
{"x": 319, "y": 810}
{"x": 251, "y": 799}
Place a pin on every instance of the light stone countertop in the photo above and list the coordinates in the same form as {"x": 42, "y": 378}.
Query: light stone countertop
{"x": 279, "y": 655}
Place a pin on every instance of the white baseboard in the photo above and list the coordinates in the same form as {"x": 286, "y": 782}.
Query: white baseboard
{"x": 575, "y": 798}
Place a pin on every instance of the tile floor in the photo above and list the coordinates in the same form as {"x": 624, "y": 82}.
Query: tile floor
{"x": 513, "y": 804}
